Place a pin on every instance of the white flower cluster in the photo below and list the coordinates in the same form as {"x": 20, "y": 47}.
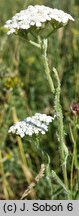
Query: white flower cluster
{"x": 32, "y": 125}
{"x": 36, "y": 16}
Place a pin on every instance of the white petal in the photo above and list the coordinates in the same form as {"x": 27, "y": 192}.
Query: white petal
{"x": 38, "y": 24}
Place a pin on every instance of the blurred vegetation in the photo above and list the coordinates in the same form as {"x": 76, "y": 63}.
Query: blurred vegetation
{"x": 24, "y": 91}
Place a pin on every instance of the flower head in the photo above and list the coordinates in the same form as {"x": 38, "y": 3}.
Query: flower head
{"x": 32, "y": 125}
{"x": 37, "y": 17}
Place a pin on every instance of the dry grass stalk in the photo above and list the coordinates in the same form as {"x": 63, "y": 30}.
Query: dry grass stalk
{"x": 36, "y": 180}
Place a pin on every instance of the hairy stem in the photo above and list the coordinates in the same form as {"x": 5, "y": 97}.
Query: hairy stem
{"x": 63, "y": 148}
{"x": 43, "y": 45}
{"x": 58, "y": 109}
